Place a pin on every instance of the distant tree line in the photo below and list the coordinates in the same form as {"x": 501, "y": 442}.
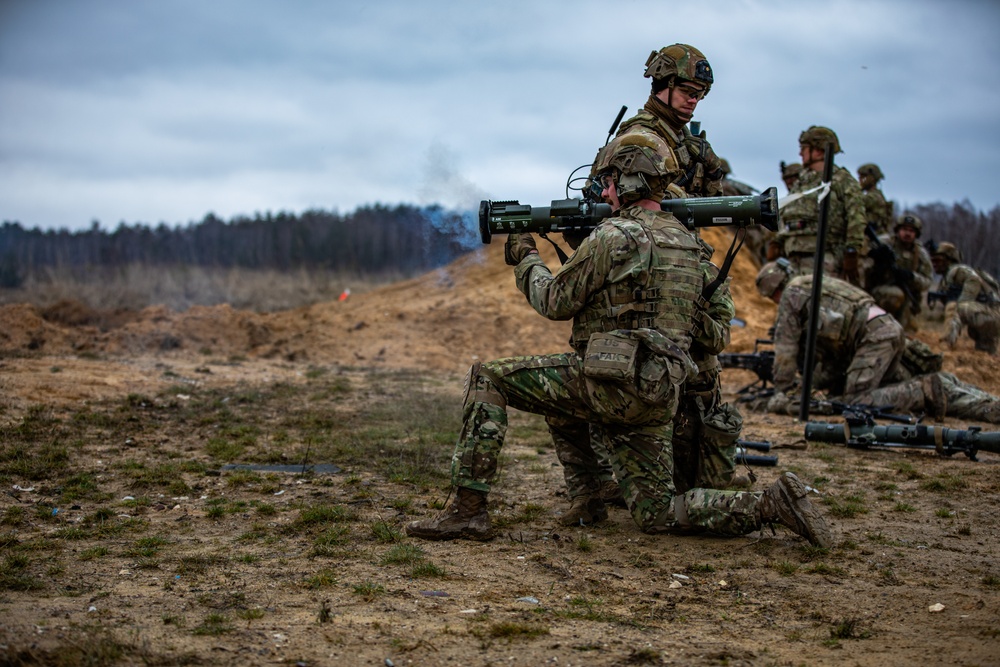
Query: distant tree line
{"x": 973, "y": 232}
{"x": 373, "y": 239}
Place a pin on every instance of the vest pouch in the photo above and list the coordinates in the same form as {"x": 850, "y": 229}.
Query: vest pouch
{"x": 831, "y": 325}
{"x": 611, "y": 357}
{"x": 720, "y": 429}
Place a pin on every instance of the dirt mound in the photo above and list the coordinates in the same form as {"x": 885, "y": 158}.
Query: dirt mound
{"x": 443, "y": 320}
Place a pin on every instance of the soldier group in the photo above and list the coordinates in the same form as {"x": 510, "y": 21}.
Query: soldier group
{"x": 635, "y": 409}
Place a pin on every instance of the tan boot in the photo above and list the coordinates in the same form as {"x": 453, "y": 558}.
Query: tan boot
{"x": 611, "y": 494}
{"x": 935, "y": 398}
{"x": 785, "y": 502}
{"x": 584, "y": 511}
{"x": 466, "y": 517}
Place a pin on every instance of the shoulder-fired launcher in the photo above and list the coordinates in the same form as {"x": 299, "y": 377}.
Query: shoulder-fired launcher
{"x": 578, "y": 215}
{"x": 945, "y": 441}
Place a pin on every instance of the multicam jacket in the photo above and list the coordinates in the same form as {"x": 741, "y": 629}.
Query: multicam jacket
{"x": 696, "y": 169}
{"x": 845, "y": 222}
{"x": 844, "y": 310}
{"x": 641, "y": 269}
{"x": 877, "y": 210}
{"x": 968, "y": 284}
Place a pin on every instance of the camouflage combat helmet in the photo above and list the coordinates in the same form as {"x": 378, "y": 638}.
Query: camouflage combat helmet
{"x": 791, "y": 170}
{"x": 948, "y": 251}
{"x": 818, "y": 137}
{"x": 681, "y": 61}
{"x": 773, "y": 277}
{"x": 912, "y": 221}
{"x": 871, "y": 169}
{"x": 642, "y": 170}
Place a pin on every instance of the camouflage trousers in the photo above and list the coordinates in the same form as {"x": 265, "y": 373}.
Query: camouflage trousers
{"x": 641, "y": 453}
{"x": 877, "y": 355}
{"x": 983, "y": 321}
{"x": 964, "y": 401}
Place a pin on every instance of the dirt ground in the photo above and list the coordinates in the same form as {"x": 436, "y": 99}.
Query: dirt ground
{"x": 914, "y": 577}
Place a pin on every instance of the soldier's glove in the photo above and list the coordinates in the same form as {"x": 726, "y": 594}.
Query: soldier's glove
{"x": 518, "y": 247}
{"x": 850, "y": 266}
{"x": 882, "y": 254}
{"x": 774, "y": 250}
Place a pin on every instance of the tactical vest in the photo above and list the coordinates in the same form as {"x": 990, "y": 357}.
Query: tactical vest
{"x": 662, "y": 290}
{"x": 954, "y": 281}
{"x": 688, "y": 152}
{"x": 801, "y": 217}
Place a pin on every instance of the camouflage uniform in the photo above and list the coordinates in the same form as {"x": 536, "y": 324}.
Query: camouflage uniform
{"x": 878, "y": 211}
{"x": 976, "y": 304}
{"x": 914, "y": 271}
{"x": 693, "y": 170}
{"x": 857, "y": 343}
{"x": 845, "y": 222}
{"x": 862, "y": 355}
{"x": 598, "y": 287}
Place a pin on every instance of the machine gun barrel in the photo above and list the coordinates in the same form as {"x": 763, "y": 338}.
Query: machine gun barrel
{"x": 945, "y": 441}
{"x": 576, "y": 215}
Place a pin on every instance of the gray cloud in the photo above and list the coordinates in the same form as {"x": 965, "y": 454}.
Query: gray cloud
{"x": 148, "y": 111}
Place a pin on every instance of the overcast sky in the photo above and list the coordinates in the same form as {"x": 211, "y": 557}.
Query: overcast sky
{"x": 155, "y": 110}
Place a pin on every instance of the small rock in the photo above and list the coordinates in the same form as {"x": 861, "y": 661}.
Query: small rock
{"x": 935, "y": 608}
{"x": 675, "y": 584}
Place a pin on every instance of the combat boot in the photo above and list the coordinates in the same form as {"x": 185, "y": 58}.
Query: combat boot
{"x": 935, "y": 398}
{"x": 466, "y": 517}
{"x": 785, "y": 502}
{"x": 611, "y": 494}
{"x": 584, "y": 511}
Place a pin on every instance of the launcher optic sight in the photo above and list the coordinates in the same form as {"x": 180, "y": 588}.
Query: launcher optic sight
{"x": 578, "y": 215}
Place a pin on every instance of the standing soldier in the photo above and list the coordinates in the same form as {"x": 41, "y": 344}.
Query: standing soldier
{"x": 972, "y": 299}
{"x": 845, "y": 240}
{"x": 636, "y": 293}
{"x": 878, "y": 211}
{"x": 900, "y": 271}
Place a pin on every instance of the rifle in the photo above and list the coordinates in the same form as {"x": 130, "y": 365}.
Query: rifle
{"x": 860, "y": 411}
{"x": 863, "y": 433}
{"x": 952, "y": 294}
{"x": 582, "y": 215}
{"x": 761, "y": 362}
{"x": 885, "y": 262}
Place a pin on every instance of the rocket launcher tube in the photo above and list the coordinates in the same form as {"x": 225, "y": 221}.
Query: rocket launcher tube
{"x": 568, "y": 215}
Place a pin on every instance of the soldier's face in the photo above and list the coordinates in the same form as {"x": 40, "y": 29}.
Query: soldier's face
{"x": 684, "y": 97}
{"x": 610, "y": 193}
{"x": 939, "y": 263}
{"x": 866, "y": 181}
{"x": 811, "y": 157}
{"x": 907, "y": 234}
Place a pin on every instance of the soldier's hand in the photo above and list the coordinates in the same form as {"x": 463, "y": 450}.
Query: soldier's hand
{"x": 903, "y": 276}
{"x": 518, "y": 247}
{"x": 850, "y": 266}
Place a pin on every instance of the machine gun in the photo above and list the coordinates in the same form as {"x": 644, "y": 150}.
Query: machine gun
{"x": 885, "y": 266}
{"x": 761, "y": 362}
{"x": 582, "y": 215}
{"x": 863, "y": 433}
{"x": 952, "y": 294}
